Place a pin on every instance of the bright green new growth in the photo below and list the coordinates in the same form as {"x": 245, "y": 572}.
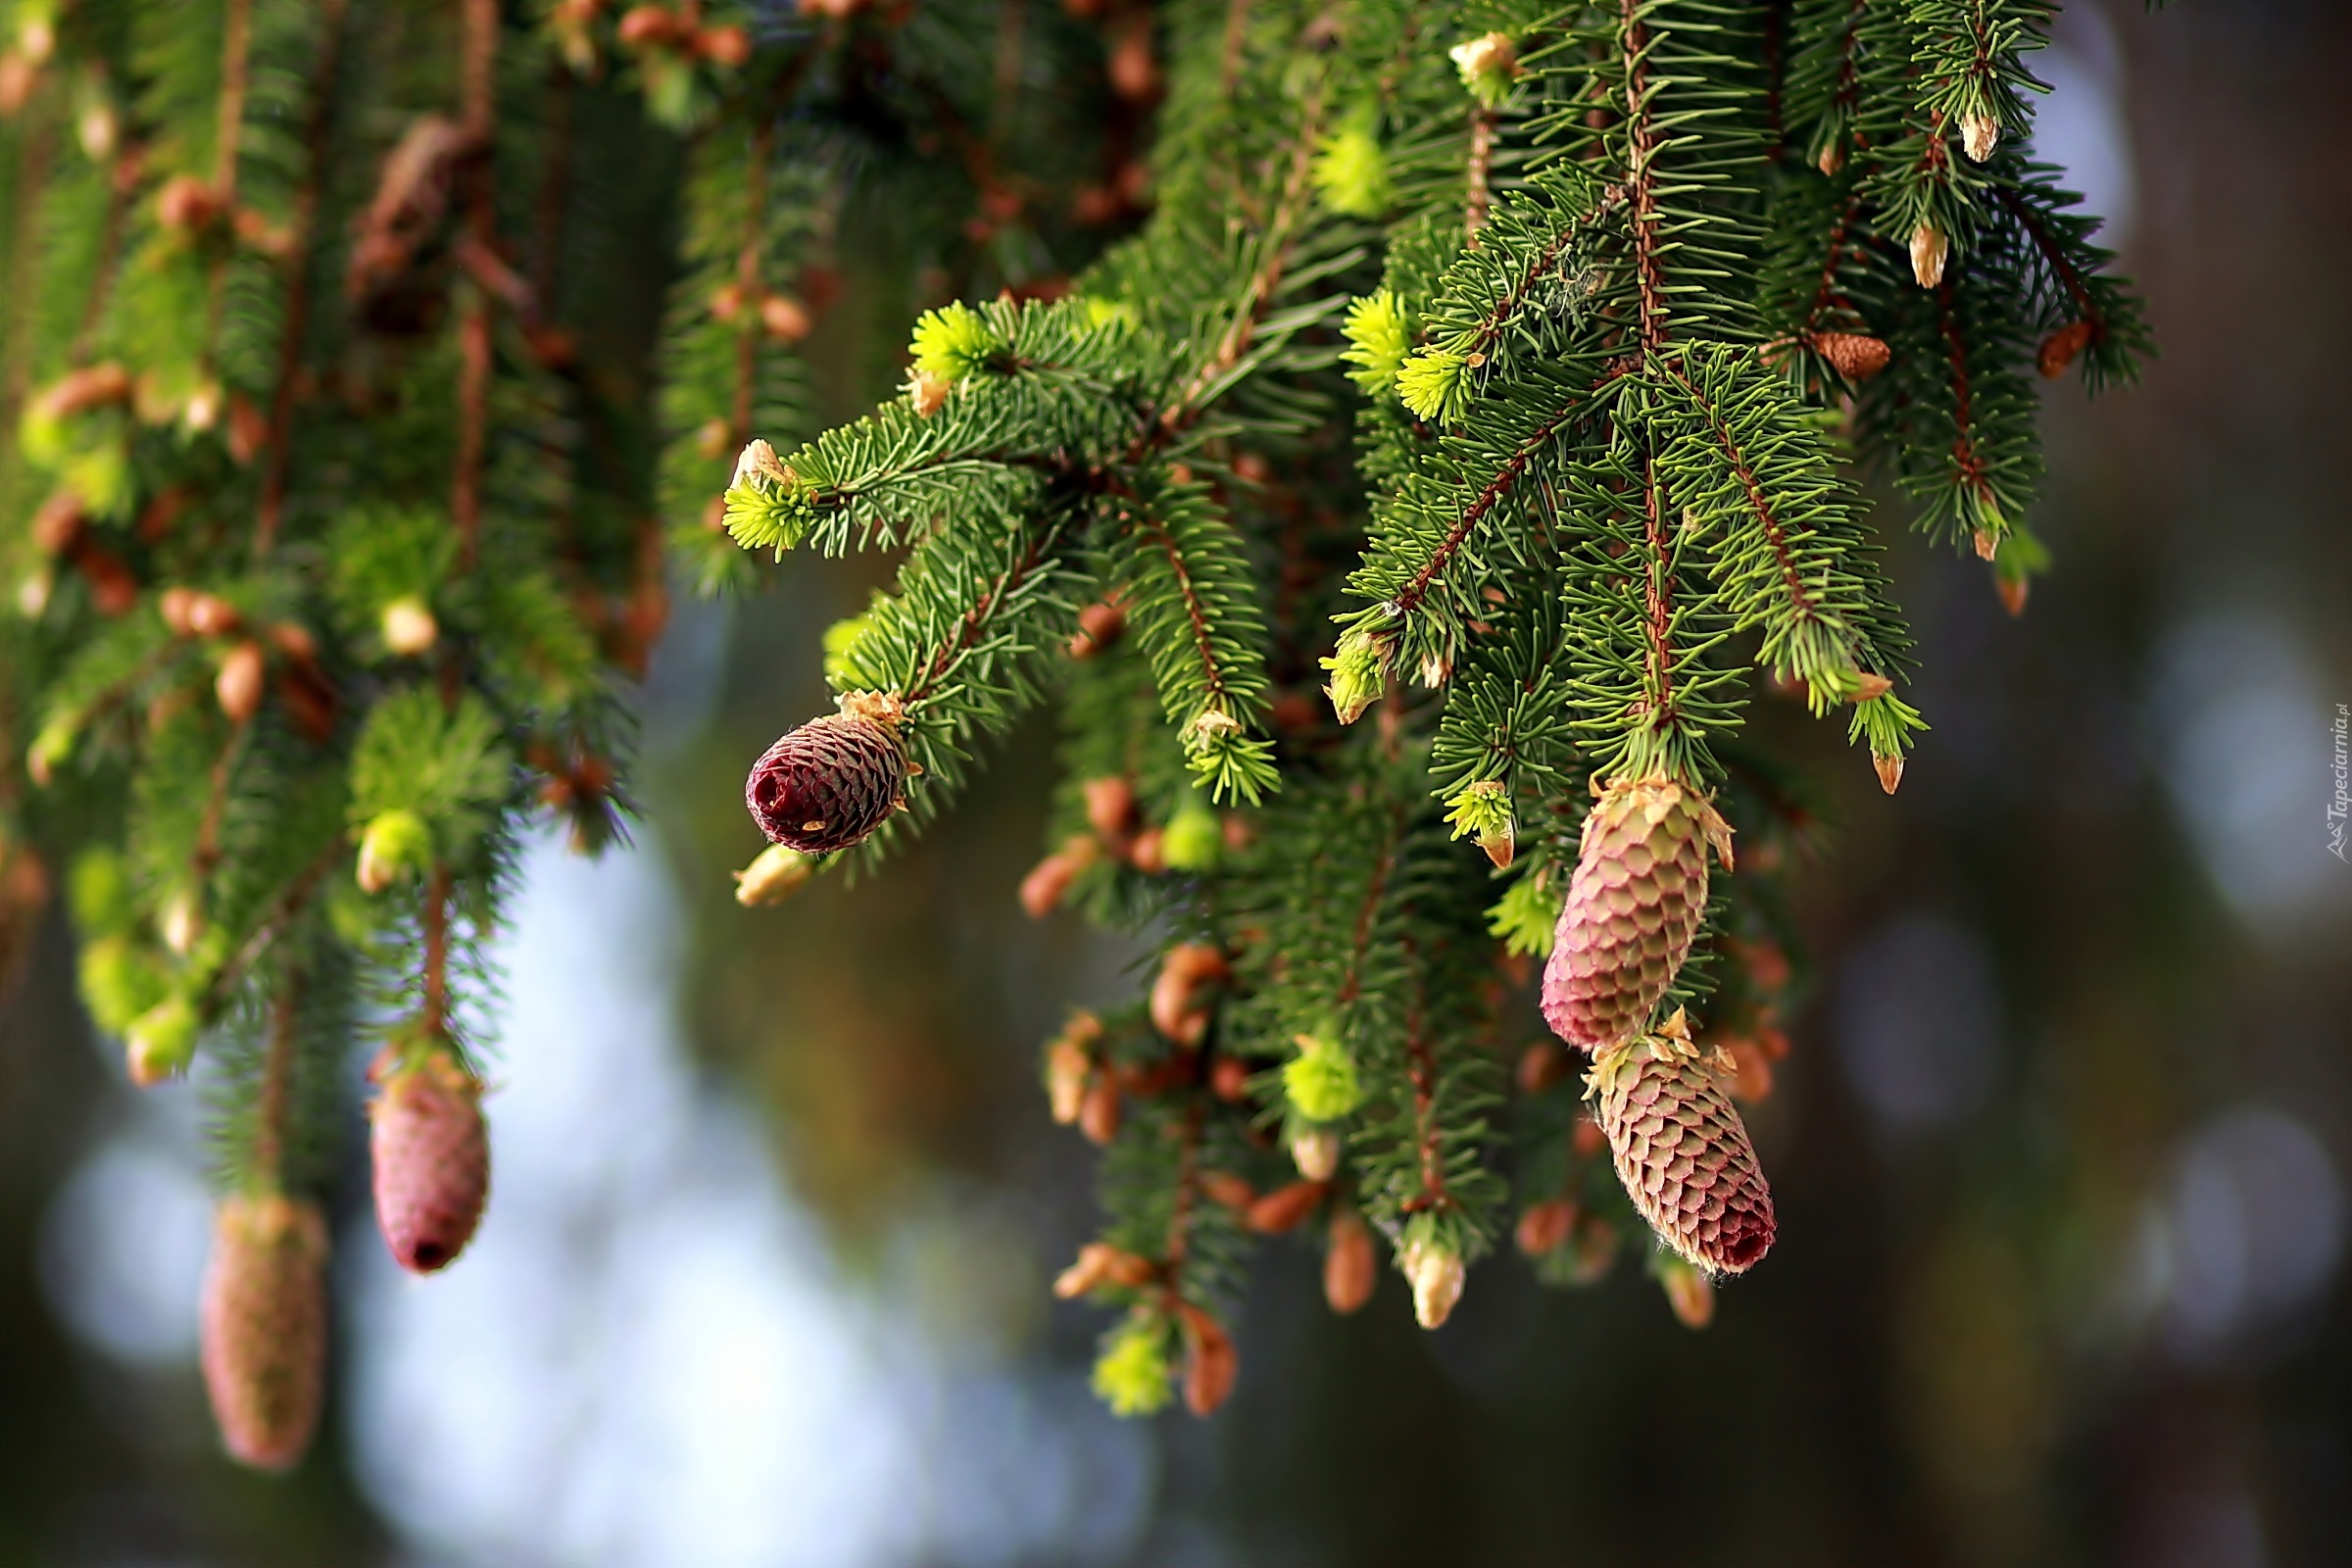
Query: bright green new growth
{"x": 1468, "y": 406}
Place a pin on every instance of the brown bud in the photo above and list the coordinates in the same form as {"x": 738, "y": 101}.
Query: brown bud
{"x": 1870, "y": 688}
{"x": 175, "y": 605}
{"x": 1856, "y": 356}
{"x": 1588, "y": 1140}
{"x": 211, "y": 615}
{"x": 1988, "y": 544}
{"x": 248, "y": 428}
{"x": 652, "y": 27}
{"x": 243, "y": 678}
{"x": 1349, "y": 1270}
{"x": 187, "y": 204}
{"x": 1541, "y": 1065}
{"x": 94, "y": 386}
{"x": 1210, "y": 1363}
{"x": 1100, "y": 1263}
{"x": 785, "y": 318}
{"x": 1229, "y": 1078}
{"x": 1177, "y": 1009}
{"x": 2059, "y": 348}
{"x": 1545, "y": 1226}
{"x": 1224, "y": 1188}
{"x": 1891, "y": 771}
{"x": 1689, "y": 1292}
{"x": 60, "y": 523}
{"x": 927, "y": 392}
{"x": 1751, "y": 1069}
{"x": 1148, "y": 852}
{"x": 1068, "y": 1068}
{"x": 1098, "y": 626}
{"x": 728, "y": 46}
{"x": 1134, "y": 72}
{"x": 1042, "y": 889}
{"x": 1283, "y": 1208}
{"x": 1110, "y": 805}
{"x": 2013, "y": 592}
{"x": 1099, "y": 1111}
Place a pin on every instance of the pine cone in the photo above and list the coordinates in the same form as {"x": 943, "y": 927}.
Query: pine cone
{"x": 1681, "y": 1149}
{"x": 1632, "y": 907}
{"x": 830, "y": 783}
{"x": 264, "y": 1327}
{"x": 432, "y": 1160}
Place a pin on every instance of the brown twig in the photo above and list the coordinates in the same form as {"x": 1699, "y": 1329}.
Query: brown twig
{"x": 476, "y": 74}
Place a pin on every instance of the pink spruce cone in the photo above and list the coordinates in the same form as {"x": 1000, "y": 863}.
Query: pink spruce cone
{"x": 263, "y": 1327}
{"x": 432, "y": 1159}
{"x": 1681, "y": 1149}
{"x": 1632, "y": 907}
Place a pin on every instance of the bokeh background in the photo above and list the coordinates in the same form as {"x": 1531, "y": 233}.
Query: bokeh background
{"x": 2062, "y": 1156}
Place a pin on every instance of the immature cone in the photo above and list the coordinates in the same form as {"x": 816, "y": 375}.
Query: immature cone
{"x": 1632, "y": 907}
{"x": 1929, "y": 248}
{"x": 263, "y": 1327}
{"x": 830, "y": 783}
{"x": 432, "y": 1160}
{"x": 1210, "y": 1363}
{"x": 1437, "y": 1275}
{"x": 1681, "y": 1151}
{"x": 1978, "y": 134}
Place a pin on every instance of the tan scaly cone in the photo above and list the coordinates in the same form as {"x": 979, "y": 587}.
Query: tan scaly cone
{"x": 1633, "y": 908}
{"x": 1681, "y": 1149}
{"x": 263, "y": 1327}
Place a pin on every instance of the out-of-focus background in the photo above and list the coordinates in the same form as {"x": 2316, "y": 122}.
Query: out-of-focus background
{"x": 2063, "y": 1157}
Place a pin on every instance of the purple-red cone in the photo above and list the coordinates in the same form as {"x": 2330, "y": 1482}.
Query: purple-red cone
{"x": 830, "y": 783}
{"x": 1681, "y": 1149}
{"x": 263, "y": 1327}
{"x": 431, "y": 1157}
{"x": 1632, "y": 907}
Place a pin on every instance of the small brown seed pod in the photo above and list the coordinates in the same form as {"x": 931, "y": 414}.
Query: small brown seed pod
{"x": 828, "y": 784}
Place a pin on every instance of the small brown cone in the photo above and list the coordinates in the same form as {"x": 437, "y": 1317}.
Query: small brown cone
{"x": 1545, "y": 1226}
{"x": 1349, "y": 1269}
{"x": 1283, "y": 1208}
{"x": 1632, "y": 907}
{"x": 1928, "y": 250}
{"x": 1210, "y": 1363}
{"x": 1856, "y": 355}
{"x": 1681, "y": 1151}
{"x": 2059, "y": 348}
{"x": 263, "y": 1327}
{"x": 828, "y": 784}
{"x": 432, "y": 1160}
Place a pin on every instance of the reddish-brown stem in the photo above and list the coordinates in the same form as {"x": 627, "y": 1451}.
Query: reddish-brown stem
{"x": 476, "y": 74}
{"x": 1964, "y": 420}
{"x": 1759, "y": 505}
{"x": 272, "y": 1112}
{"x": 2065, "y": 270}
{"x": 1657, "y": 596}
{"x": 747, "y": 282}
{"x": 279, "y": 452}
{"x": 1368, "y": 911}
{"x": 236, "y": 48}
{"x": 1410, "y": 596}
{"x": 436, "y": 953}
{"x": 1649, "y": 269}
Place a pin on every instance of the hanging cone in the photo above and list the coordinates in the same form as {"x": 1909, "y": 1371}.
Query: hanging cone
{"x": 1632, "y": 907}
{"x": 264, "y": 1327}
{"x": 830, "y": 783}
{"x": 432, "y": 1160}
{"x": 1681, "y": 1151}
